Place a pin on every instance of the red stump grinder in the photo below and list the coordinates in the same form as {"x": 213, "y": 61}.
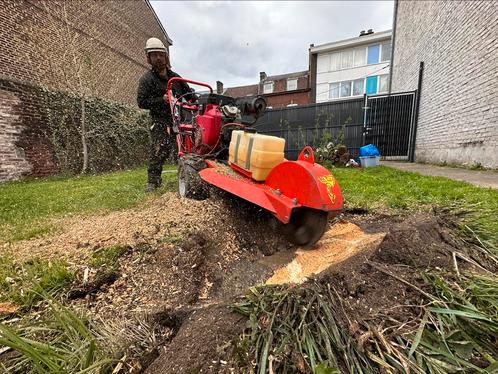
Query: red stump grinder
{"x": 217, "y": 146}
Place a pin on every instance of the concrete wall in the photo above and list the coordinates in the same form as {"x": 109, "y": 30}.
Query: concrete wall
{"x": 457, "y": 40}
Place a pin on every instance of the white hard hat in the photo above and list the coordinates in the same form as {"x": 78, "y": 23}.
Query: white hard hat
{"x": 154, "y": 44}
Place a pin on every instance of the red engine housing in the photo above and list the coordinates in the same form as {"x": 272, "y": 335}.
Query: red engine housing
{"x": 210, "y": 126}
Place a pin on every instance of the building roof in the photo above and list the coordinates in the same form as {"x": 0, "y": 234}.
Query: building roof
{"x": 240, "y": 91}
{"x": 351, "y": 42}
{"x": 287, "y": 76}
{"x": 168, "y": 39}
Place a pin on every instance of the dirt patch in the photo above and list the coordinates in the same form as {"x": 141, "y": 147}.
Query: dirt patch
{"x": 198, "y": 347}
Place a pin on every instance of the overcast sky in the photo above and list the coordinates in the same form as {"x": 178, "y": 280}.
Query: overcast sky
{"x": 233, "y": 41}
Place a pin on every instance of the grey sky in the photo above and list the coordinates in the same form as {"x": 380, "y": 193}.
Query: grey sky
{"x": 233, "y": 41}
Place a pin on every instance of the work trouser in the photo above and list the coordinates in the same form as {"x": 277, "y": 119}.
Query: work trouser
{"x": 162, "y": 149}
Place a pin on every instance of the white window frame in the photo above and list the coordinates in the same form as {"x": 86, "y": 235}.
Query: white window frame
{"x": 351, "y": 81}
{"x": 265, "y": 84}
{"x": 289, "y": 81}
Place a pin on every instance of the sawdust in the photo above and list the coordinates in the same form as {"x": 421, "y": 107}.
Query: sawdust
{"x": 8, "y": 308}
{"x": 159, "y": 219}
{"x": 341, "y": 241}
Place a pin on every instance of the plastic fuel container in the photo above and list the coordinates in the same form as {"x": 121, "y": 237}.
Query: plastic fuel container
{"x": 256, "y": 152}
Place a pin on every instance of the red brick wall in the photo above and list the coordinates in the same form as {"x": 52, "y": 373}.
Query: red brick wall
{"x": 84, "y": 46}
{"x": 107, "y": 37}
{"x": 282, "y": 100}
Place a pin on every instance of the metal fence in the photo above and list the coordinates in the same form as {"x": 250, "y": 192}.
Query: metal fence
{"x": 315, "y": 125}
{"x": 383, "y": 120}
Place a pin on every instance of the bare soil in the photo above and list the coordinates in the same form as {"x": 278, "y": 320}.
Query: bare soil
{"x": 190, "y": 260}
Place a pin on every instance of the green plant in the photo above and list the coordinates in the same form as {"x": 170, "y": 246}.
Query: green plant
{"x": 307, "y": 329}
{"x": 108, "y": 256}
{"x": 23, "y": 283}
{"x": 61, "y": 342}
{"x": 299, "y": 330}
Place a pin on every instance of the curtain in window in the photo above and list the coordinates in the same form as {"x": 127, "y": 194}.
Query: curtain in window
{"x": 347, "y": 59}
{"x": 334, "y": 90}
{"x": 358, "y": 87}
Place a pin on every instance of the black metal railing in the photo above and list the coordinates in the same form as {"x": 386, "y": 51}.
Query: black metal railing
{"x": 383, "y": 120}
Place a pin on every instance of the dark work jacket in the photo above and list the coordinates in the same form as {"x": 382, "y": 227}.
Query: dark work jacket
{"x": 150, "y": 94}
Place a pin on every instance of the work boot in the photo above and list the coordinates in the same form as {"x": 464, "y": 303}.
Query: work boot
{"x": 151, "y": 187}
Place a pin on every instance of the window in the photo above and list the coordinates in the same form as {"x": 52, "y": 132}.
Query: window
{"x": 358, "y": 87}
{"x": 347, "y": 59}
{"x": 386, "y": 52}
{"x": 322, "y": 92}
{"x": 346, "y": 89}
{"x": 373, "y": 54}
{"x": 383, "y": 83}
{"x": 322, "y": 63}
{"x": 371, "y": 86}
{"x": 334, "y": 91}
{"x": 360, "y": 56}
{"x": 335, "y": 61}
{"x": 291, "y": 84}
{"x": 268, "y": 87}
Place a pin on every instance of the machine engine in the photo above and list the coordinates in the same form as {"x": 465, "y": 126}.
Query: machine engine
{"x": 219, "y": 115}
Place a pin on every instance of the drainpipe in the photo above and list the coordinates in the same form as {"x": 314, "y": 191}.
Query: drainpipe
{"x": 411, "y": 155}
{"x": 393, "y": 40}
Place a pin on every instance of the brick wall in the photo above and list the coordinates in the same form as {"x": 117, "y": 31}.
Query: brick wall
{"x": 38, "y": 39}
{"x": 458, "y": 118}
{"x": 282, "y": 100}
{"x": 85, "y": 47}
{"x": 281, "y": 97}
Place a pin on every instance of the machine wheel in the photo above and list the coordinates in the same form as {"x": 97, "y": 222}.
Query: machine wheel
{"x": 190, "y": 184}
{"x": 306, "y": 227}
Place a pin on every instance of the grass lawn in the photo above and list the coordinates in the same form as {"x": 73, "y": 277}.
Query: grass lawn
{"x": 384, "y": 188}
{"x": 26, "y": 205}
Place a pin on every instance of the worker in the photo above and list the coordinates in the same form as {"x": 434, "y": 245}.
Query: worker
{"x": 151, "y": 95}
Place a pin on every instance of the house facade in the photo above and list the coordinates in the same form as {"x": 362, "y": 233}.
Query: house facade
{"x": 458, "y": 110}
{"x": 351, "y": 67}
{"x": 279, "y": 90}
{"x": 54, "y": 52}
{"x": 286, "y": 89}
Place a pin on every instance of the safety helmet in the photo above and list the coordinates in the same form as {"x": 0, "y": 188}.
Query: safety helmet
{"x": 154, "y": 44}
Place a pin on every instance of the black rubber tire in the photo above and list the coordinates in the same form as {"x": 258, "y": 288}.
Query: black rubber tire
{"x": 190, "y": 184}
{"x": 306, "y": 227}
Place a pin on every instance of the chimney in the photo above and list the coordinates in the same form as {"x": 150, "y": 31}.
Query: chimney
{"x": 262, "y": 76}
{"x": 362, "y": 32}
{"x": 219, "y": 87}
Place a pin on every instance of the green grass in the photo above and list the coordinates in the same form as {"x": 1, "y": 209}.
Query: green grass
{"x": 108, "y": 256}
{"x": 26, "y": 205}
{"x": 23, "y": 283}
{"x": 382, "y": 188}
{"x": 61, "y": 341}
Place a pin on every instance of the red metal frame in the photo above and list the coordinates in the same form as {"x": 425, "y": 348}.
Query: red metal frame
{"x": 185, "y": 144}
{"x": 290, "y": 185}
